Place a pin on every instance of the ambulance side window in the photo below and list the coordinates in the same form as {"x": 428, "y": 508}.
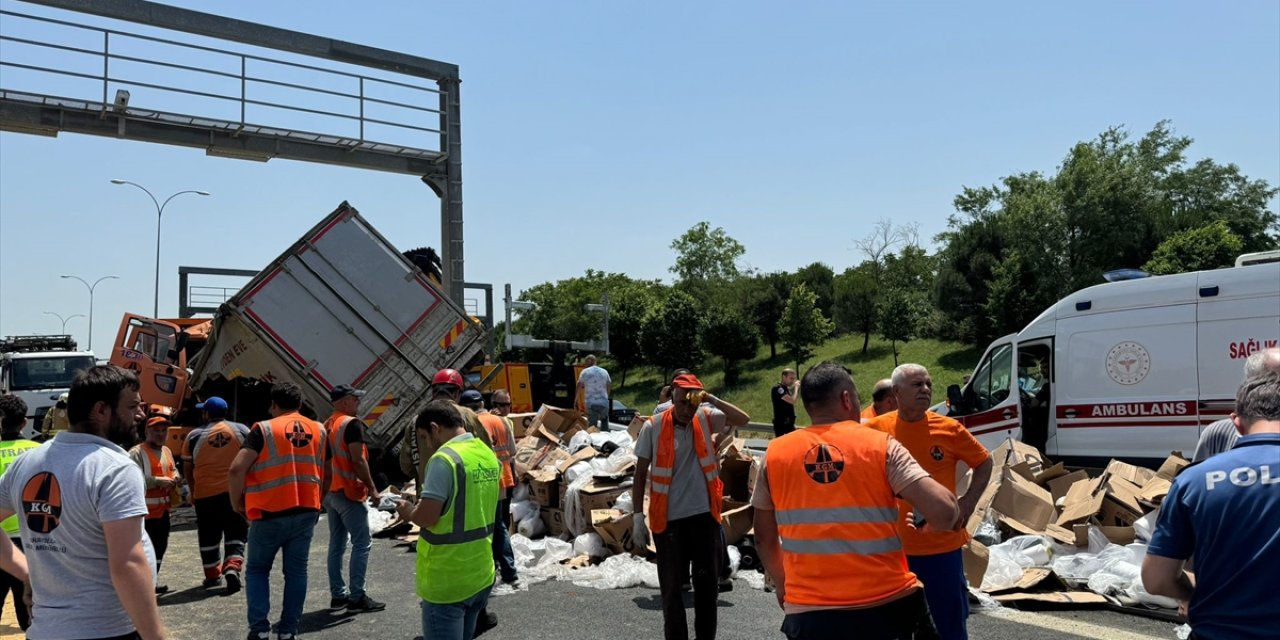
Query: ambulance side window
{"x": 991, "y": 383}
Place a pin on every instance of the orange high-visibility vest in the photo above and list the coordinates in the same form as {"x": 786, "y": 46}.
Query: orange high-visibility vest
{"x": 502, "y": 441}
{"x": 287, "y": 472}
{"x": 344, "y": 468}
{"x": 211, "y": 454}
{"x": 663, "y": 468}
{"x": 162, "y": 466}
{"x": 837, "y": 516}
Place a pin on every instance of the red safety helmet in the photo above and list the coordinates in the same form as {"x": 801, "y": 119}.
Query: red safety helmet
{"x": 448, "y": 376}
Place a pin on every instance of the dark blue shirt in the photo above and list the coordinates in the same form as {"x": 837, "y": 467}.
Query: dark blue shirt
{"x": 1226, "y": 511}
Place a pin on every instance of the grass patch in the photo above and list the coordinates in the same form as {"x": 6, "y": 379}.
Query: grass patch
{"x": 948, "y": 363}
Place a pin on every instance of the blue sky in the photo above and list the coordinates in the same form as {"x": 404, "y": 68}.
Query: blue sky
{"x": 596, "y": 132}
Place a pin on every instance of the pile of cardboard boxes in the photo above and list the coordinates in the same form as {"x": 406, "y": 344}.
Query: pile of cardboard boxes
{"x": 1028, "y": 496}
{"x": 542, "y": 460}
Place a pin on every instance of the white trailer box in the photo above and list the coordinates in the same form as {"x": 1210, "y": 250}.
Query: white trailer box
{"x": 343, "y": 306}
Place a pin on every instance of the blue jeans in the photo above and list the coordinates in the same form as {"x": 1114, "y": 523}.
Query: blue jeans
{"x": 292, "y": 534}
{"x": 455, "y": 621}
{"x": 946, "y": 590}
{"x": 598, "y": 416}
{"x": 347, "y": 517}
{"x": 502, "y": 553}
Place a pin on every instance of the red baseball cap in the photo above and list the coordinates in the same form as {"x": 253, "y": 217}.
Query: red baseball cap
{"x": 687, "y": 381}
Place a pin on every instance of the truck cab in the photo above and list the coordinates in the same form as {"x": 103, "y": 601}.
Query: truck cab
{"x": 38, "y": 369}
{"x": 155, "y": 351}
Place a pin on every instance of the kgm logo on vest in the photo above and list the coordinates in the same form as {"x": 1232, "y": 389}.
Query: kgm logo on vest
{"x": 1242, "y": 477}
{"x": 824, "y": 463}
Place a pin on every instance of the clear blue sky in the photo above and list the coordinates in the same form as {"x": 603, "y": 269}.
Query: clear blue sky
{"x": 596, "y": 132}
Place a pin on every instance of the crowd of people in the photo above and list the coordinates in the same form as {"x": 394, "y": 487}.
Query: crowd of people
{"x": 857, "y": 518}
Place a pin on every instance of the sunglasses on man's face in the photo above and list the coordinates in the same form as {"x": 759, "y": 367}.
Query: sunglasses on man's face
{"x": 502, "y": 404}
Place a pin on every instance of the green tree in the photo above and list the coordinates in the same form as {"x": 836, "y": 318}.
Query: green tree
{"x": 706, "y": 257}
{"x": 732, "y": 337}
{"x": 820, "y": 279}
{"x": 1212, "y": 246}
{"x": 559, "y": 314}
{"x": 901, "y": 314}
{"x": 669, "y": 333}
{"x": 803, "y": 326}
{"x": 766, "y": 299}
{"x": 854, "y": 307}
{"x": 626, "y": 320}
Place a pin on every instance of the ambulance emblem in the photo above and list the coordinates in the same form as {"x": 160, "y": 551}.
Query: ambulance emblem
{"x": 1128, "y": 363}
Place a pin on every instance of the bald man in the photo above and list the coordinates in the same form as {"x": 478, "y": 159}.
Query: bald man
{"x": 883, "y": 400}
{"x": 1222, "y": 435}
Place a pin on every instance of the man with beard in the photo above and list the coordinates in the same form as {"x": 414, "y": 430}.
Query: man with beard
{"x": 82, "y": 503}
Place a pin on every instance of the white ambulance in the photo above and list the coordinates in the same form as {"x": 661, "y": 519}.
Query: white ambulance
{"x": 1131, "y": 369}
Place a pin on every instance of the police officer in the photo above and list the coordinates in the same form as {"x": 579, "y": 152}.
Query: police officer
{"x": 826, "y": 516}
{"x": 1225, "y": 511}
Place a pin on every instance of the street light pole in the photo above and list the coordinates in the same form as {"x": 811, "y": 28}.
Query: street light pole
{"x": 91, "y": 287}
{"x": 65, "y": 320}
{"x": 155, "y": 310}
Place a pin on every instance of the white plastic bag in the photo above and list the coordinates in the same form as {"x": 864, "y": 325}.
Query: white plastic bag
{"x": 735, "y": 559}
{"x": 1003, "y": 569}
{"x": 1029, "y": 551}
{"x": 987, "y": 532}
{"x": 532, "y": 527}
{"x": 574, "y": 521}
{"x": 624, "y": 503}
{"x": 1146, "y": 525}
{"x": 521, "y": 493}
{"x": 590, "y": 544}
{"x": 523, "y": 510}
{"x": 620, "y": 438}
{"x": 578, "y": 469}
{"x": 578, "y": 441}
{"x": 378, "y": 520}
{"x": 618, "y": 572}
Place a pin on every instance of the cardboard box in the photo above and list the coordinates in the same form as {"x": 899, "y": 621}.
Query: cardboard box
{"x": 544, "y": 487}
{"x": 583, "y": 454}
{"x": 535, "y": 452}
{"x": 1023, "y": 500}
{"x": 554, "y": 519}
{"x": 1137, "y": 475}
{"x": 1012, "y": 452}
{"x": 597, "y": 495}
{"x": 1125, "y": 492}
{"x": 554, "y": 421}
{"x": 1041, "y": 585}
{"x": 739, "y": 477}
{"x": 634, "y": 428}
{"x": 1048, "y": 474}
{"x": 1155, "y": 489}
{"x": 984, "y": 503}
{"x": 1058, "y": 486}
{"x": 976, "y": 558}
{"x": 1083, "y": 501}
{"x": 1115, "y": 513}
{"x": 737, "y": 521}
{"x": 615, "y": 527}
{"x": 520, "y": 423}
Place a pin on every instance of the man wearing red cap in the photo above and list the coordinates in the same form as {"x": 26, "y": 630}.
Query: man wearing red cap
{"x": 677, "y": 449}
{"x": 160, "y": 477}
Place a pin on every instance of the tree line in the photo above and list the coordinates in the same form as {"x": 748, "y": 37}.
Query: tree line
{"x": 1010, "y": 251}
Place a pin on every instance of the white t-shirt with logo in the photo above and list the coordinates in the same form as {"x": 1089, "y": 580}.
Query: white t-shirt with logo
{"x": 63, "y": 491}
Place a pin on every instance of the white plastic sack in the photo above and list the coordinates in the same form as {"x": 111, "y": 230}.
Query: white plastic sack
{"x": 754, "y": 579}
{"x": 618, "y": 572}
{"x": 1029, "y": 551}
{"x": 575, "y": 471}
{"x": 532, "y": 527}
{"x": 620, "y": 438}
{"x": 387, "y": 502}
{"x": 521, "y": 493}
{"x": 617, "y": 461}
{"x": 523, "y": 510}
{"x": 1003, "y": 569}
{"x": 624, "y": 503}
{"x": 988, "y": 533}
{"x": 378, "y": 520}
{"x": 574, "y": 521}
{"x": 735, "y": 559}
{"x": 1146, "y": 525}
{"x": 578, "y": 441}
{"x": 1183, "y": 632}
{"x": 590, "y": 544}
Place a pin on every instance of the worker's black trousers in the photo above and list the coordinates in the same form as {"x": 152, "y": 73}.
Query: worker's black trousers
{"x": 158, "y": 530}
{"x": 694, "y": 539}
{"x": 217, "y": 524}
{"x": 11, "y": 585}
{"x": 903, "y": 619}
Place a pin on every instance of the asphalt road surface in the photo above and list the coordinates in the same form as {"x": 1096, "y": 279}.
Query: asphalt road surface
{"x": 549, "y": 610}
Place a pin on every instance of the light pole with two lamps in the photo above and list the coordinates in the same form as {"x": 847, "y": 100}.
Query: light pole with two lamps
{"x": 155, "y": 311}
{"x": 91, "y": 287}
{"x": 64, "y": 320}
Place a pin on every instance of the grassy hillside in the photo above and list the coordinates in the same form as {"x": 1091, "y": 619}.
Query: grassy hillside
{"x": 948, "y": 363}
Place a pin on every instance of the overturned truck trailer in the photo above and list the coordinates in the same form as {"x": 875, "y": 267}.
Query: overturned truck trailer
{"x": 342, "y": 306}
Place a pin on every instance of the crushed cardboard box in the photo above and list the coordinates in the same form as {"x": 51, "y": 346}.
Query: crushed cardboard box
{"x": 544, "y": 487}
{"x": 554, "y": 519}
{"x": 737, "y": 520}
{"x": 520, "y": 423}
{"x": 535, "y": 452}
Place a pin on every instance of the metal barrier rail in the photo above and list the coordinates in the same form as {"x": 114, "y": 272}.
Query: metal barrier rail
{"x": 246, "y": 98}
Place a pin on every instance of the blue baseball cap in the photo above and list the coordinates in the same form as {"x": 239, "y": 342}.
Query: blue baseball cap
{"x": 213, "y": 404}
{"x": 470, "y": 396}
